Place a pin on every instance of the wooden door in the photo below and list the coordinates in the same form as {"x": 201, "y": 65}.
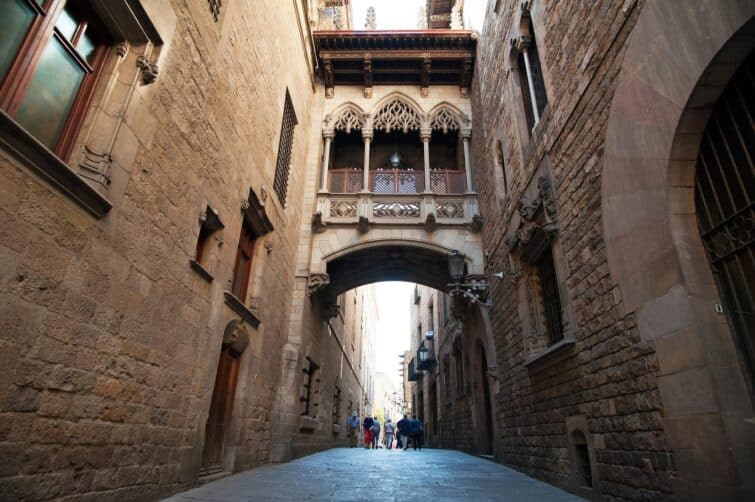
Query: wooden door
{"x": 221, "y": 406}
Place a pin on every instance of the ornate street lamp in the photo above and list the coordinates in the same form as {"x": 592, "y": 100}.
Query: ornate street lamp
{"x": 472, "y": 288}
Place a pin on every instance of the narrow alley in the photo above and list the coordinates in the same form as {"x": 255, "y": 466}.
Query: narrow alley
{"x": 385, "y": 475}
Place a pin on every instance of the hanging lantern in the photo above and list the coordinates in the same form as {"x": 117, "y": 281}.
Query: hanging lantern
{"x": 395, "y": 160}
{"x": 456, "y": 266}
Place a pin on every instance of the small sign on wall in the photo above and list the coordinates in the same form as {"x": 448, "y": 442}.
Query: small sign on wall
{"x": 334, "y": 3}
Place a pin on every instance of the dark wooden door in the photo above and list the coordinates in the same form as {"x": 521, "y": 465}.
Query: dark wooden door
{"x": 221, "y": 406}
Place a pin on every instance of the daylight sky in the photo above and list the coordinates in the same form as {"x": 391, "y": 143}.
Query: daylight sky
{"x": 402, "y": 14}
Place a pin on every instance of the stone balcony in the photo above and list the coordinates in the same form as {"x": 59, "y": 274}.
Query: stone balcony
{"x": 365, "y": 208}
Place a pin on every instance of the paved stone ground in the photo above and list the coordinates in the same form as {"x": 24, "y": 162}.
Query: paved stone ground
{"x": 345, "y": 474}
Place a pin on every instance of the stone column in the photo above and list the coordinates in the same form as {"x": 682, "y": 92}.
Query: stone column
{"x": 367, "y": 137}
{"x": 328, "y": 137}
{"x": 425, "y": 137}
{"x": 523, "y": 44}
{"x": 465, "y": 134}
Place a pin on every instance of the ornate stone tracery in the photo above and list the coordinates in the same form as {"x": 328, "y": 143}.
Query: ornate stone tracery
{"x": 397, "y": 114}
{"x": 445, "y": 120}
{"x": 349, "y": 119}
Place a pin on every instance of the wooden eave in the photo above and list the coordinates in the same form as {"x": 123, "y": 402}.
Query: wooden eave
{"x": 419, "y": 57}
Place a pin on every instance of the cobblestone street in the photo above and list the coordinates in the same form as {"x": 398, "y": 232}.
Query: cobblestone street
{"x": 386, "y": 475}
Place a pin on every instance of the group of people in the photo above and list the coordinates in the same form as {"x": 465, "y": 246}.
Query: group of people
{"x": 410, "y": 431}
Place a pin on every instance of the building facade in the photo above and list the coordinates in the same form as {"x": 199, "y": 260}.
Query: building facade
{"x": 611, "y": 169}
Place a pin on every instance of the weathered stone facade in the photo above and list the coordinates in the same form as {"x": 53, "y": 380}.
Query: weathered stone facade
{"x": 110, "y": 338}
{"x": 629, "y": 377}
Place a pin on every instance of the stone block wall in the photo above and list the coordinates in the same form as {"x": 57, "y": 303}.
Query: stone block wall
{"x": 609, "y": 376}
{"x": 109, "y": 340}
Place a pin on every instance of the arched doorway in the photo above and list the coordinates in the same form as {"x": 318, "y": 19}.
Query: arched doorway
{"x": 484, "y": 406}
{"x": 235, "y": 340}
{"x": 725, "y": 205}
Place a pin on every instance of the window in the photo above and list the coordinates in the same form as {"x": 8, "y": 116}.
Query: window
{"x": 51, "y": 52}
{"x": 431, "y": 317}
{"x": 311, "y": 389}
{"x": 551, "y": 301}
{"x": 531, "y": 76}
{"x": 447, "y": 378}
{"x": 500, "y": 166}
{"x": 337, "y": 406}
{"x": 459, "y": 361}
{"x": 283, "y": 164}
{"x": 243, "y": 264}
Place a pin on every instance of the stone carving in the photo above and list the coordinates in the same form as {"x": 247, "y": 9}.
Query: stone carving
{"x": 450, "y": 208}
{"x": 327, "y": 74}
{"x": 315, "y": 282}
{"x": 343, "y": 208}
{"x": 446, "y": 120}
{"x": 122, "y": 49}
{"x": 349, "y": 119}
{"x": 395, "y": 209}
{"x": 363, "y": 225}
{"x": 149, "y": 70}
{"x": 318, "y": 226}
{"x": 397, "y": 115}
{"x": 370, "y": 23}
{"x": 431, "y": 224}
{"x": 215, "y": 6}
{"x": 95, "y": 166}
{"x": 236, "y": 336}
{"x": 367, "y": 75}
{"x": 333, "y": 311}
{"x": 475, "y": 226}
{"x": 268, "y": 246}
{"x": 528, "y": 211}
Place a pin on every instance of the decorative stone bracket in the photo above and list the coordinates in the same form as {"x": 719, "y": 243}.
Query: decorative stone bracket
{"x": 149, "y": 70}
{"x": 316, "y": 282}
{"x": 532, "y": 233}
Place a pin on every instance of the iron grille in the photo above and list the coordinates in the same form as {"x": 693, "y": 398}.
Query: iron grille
{"x": 283, "y": 164}
{"x": 551, "y": 300}
{"x": 725, "y": 203}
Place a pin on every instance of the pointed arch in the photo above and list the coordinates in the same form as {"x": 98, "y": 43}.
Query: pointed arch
{"x": 348, "y": 117}
{"x": 397, "y": 111}
{"x": 446, "y": 117}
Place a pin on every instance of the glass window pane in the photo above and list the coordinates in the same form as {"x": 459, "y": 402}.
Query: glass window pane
{"x": 67, "y": 24}
{"x": 14, "y": 24}
{"x": 86, "y": 48}
{"x": 51, "y": 94}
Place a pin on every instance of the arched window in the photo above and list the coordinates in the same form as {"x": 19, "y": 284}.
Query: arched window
{"x": 500, "y": 167}
{"x": 530, "y": 73}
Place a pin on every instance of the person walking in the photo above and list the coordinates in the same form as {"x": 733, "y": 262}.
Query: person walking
{"x": 367, "y": 427}
{"x": 388, "y": 434}
{"x": 352, "y": 428}
{"x": 403, "y": 431}
{"x": 375, "y": 433}
{"x": 415, "y": 431}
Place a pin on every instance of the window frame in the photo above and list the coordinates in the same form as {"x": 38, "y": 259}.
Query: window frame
{"x": 247, "y": 239}
{"x": 15, "y": 84}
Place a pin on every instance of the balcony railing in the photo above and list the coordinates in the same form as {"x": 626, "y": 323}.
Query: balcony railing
{"x": 397, "y": 181}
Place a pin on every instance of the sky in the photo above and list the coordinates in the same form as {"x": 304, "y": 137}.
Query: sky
{"x": 393, "y": 303}
{"x": 402, "y": 14}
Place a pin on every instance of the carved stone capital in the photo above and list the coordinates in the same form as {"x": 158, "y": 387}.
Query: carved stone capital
{"x": 148, "y": 70}
{"x": 122, "y": 49}
{"x": 333, "y": 311}
{"x": 236, "y": 336}
{"x": 425, "y": 133}
{"x": 315, "y": 282}
{"x": 328, "y": 133}
{"x": 465, "y": 133}
{"x": 367, "y": 134}
{"x": 521, "y": 43}
{"x": 95, "y": 166}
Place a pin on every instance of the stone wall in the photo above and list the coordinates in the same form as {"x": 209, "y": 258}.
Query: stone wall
{"x": 610, "y": 383}
{"x": 609, "y": 376}
{"x": 109, "y": 339}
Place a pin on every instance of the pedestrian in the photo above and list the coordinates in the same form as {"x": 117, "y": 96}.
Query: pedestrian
{"x": 403, "y": 431}
{"x": 415, "y": 431}
{"x": 352, "y": 428}
{"x": 388, "y": 434}
{"x": 367, "y": 427}
{"x": 375, "y": 432}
